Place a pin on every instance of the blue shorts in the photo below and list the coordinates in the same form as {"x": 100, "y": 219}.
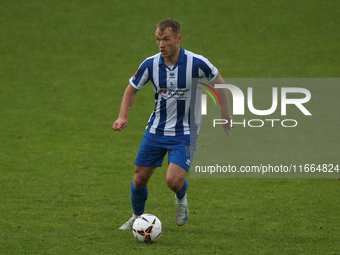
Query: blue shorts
{"x": 153, "y": 150}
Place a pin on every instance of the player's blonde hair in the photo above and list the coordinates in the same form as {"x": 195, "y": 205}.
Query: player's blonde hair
{"x": 170, "y": 23}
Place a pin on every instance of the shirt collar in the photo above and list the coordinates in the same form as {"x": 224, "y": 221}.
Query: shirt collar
{"x": 180, "y": 59}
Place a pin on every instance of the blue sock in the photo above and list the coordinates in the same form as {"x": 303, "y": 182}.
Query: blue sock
{"x": 138, "y": 198}
{"x": 182, "y": 192}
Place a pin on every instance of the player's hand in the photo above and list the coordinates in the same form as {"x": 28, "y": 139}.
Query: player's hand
{"x": 120, "y": 124}
{"x": 228, "y": 125}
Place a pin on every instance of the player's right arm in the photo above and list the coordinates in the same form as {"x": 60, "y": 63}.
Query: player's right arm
{"x": 127, "y": 102}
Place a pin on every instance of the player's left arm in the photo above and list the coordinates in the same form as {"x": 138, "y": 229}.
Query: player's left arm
{"x": 225, "y": 114}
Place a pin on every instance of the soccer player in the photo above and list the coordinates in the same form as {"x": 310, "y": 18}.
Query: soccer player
{"x": 171, "y": 73}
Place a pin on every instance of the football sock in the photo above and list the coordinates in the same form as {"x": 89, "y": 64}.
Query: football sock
{"x": 182, "y": 192}
{"x": 138, "y": 198}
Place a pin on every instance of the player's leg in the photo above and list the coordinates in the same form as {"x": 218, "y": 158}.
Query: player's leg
{"x": 139, "y": 193}
{"x": 149, "y": 156}
{"x": 139, "y": 190}
{"x": 179, "y": 160}
{"x": 175, "y": 178}
{"x": 179, "y": 163}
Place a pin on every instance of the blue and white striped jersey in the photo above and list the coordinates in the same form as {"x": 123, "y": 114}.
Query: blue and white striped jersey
{"x": 173, "y": 90}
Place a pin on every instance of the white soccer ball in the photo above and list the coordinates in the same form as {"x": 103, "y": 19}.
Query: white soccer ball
{"x": 147, "y": 228}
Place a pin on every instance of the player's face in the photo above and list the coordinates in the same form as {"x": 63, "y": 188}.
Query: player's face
{"x": 168, "y": 43}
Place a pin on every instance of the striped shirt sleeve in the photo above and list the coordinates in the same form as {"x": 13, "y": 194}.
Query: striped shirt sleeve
{"x": 206, "y": 69}
{"x": 142, "y": 75}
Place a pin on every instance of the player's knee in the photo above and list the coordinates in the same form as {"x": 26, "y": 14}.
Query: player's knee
{"x": 174, "y": 183}
{"x": 141, "y": 177}
{"x": 139, "y": 181}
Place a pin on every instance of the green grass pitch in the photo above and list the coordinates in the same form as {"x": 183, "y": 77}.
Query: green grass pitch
{"x": 65, "y": 174}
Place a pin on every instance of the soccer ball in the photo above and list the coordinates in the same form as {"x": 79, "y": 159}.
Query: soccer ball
{"x": 147, "y": 228}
